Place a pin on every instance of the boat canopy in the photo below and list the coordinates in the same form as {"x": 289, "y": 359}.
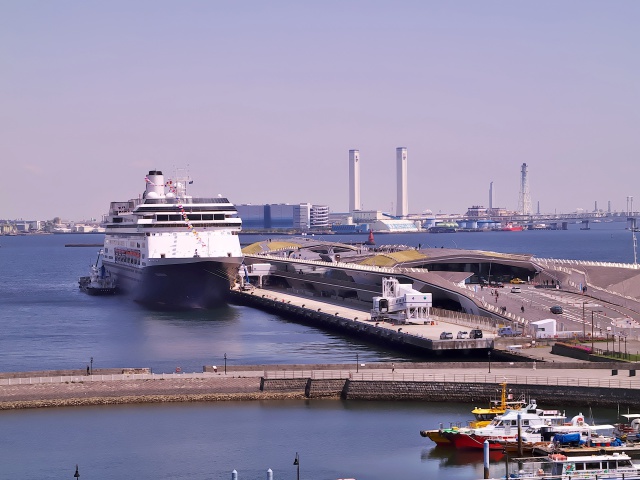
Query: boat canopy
{"x": 601, "y": 427}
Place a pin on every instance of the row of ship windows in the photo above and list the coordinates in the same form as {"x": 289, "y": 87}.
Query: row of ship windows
{"x": 131, "y": 257}
{"x": 191, "y": 217}
{"x": 131, "y": 261}
{"x": 178, "y": 225}
{"x": 178, "y": 218}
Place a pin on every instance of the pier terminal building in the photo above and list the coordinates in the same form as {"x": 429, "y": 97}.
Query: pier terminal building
{"x": 458, "y": 280}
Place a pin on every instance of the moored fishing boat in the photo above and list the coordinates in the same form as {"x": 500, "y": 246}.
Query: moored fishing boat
{"x": 482, "y": 417}
{"x": 556, "y": 438}
{"x": 504, "y": 427}
{"x": 629, "y": 430}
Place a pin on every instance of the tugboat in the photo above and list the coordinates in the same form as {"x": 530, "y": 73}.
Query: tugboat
{"x": 99, "y": 282}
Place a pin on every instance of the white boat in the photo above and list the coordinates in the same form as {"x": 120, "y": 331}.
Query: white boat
{"x": 629, "y": 430}
{"x": 617, "y": 466}
{"x": 576, "y": 434}
{"x": 504, "y": 428}
{"x": 170, "y": 250}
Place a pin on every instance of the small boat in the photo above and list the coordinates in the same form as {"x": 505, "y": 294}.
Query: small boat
{"x": 617, "y": 466}
{"x": 503, "y": 428}
{"x": 98, "y": 282}
{"x": 576, "y": 434}
{"x": 483, "y": 416}
{"x": 510, "y": 227}
{"x": 630, "y": 429}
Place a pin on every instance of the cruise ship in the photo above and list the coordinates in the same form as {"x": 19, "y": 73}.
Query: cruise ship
{"x": 170, "y": 250}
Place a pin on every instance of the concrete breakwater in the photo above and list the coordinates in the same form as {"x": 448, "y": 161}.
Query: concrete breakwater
{"x": 282, "y": 389}
{"x": 473, "y": 393}
{"x": 139, "y": 399}
{"x": 578, "y": 384}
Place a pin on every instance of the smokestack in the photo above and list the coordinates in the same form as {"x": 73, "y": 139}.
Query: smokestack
{"x": 491, "y": 196}
{"x": 354, "y": 180}
{"x": 402, "y": 206}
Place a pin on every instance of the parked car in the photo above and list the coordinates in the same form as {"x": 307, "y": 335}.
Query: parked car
{"x": 506, "y": 332}
{"x": 446, "y": 336}
{"x": 496, "y": 284}
{"x": 462, "y": 335}
{"x": 557, "y": 309}
{"x": 476, "y": 333}
{"x": 517, "y": 281}
{"x": 516, "y": 290}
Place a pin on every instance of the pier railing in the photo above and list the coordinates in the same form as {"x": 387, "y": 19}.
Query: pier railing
{"x": 103, "y": 378}
{"x": 587, "y": 263}
{"x": 351, "y": 374}
{"x": 386, "y": 376}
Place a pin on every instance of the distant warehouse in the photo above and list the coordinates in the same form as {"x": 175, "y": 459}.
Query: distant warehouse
{"x": 283, "y": 216}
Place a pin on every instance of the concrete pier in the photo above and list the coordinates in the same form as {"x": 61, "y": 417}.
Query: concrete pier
{"x": 353, "y": 319}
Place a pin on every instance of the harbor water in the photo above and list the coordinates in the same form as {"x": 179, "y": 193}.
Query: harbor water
{"x": 47, "y": 323}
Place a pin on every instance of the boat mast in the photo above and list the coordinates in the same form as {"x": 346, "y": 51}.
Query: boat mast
{"x": 181, "y": 178}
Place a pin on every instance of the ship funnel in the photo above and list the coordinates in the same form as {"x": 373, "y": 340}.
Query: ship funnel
{"x": 155, "y": 184}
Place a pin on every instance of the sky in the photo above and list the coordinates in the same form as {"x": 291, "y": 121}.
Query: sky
{"x": 261, "y": 102}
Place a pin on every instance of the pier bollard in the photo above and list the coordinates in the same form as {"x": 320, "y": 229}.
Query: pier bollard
{"x": 234, "y": 475}
{"x": 485, "y": 447}
{"x": 269, "y": 474}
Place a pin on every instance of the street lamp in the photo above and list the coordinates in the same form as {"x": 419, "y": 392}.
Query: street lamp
{"x": 225, "y": 363}
{"x": 357, "y": 363}
{"x": 296, "y": 462}
{"x": 76, "y": 475}
{"x": 620, "y": 344}
{"x": 489, "y": 355}
{"x": 592, "y": 312}
{"x": 91, "y": 369}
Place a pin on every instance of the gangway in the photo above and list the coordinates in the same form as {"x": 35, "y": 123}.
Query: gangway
{"x": 400, "y": 302}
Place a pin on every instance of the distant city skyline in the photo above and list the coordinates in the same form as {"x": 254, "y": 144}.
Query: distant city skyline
{"x": 263, "y": 101}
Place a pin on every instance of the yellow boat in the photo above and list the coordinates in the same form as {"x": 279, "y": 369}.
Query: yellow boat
{"x": 483, "y": 416}
{"x": 439, "y": 436}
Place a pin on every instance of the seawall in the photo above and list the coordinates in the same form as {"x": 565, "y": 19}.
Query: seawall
{"x": 477, "y": 393}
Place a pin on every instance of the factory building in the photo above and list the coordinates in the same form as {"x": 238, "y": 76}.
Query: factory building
{"x": 284, "y": 216}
